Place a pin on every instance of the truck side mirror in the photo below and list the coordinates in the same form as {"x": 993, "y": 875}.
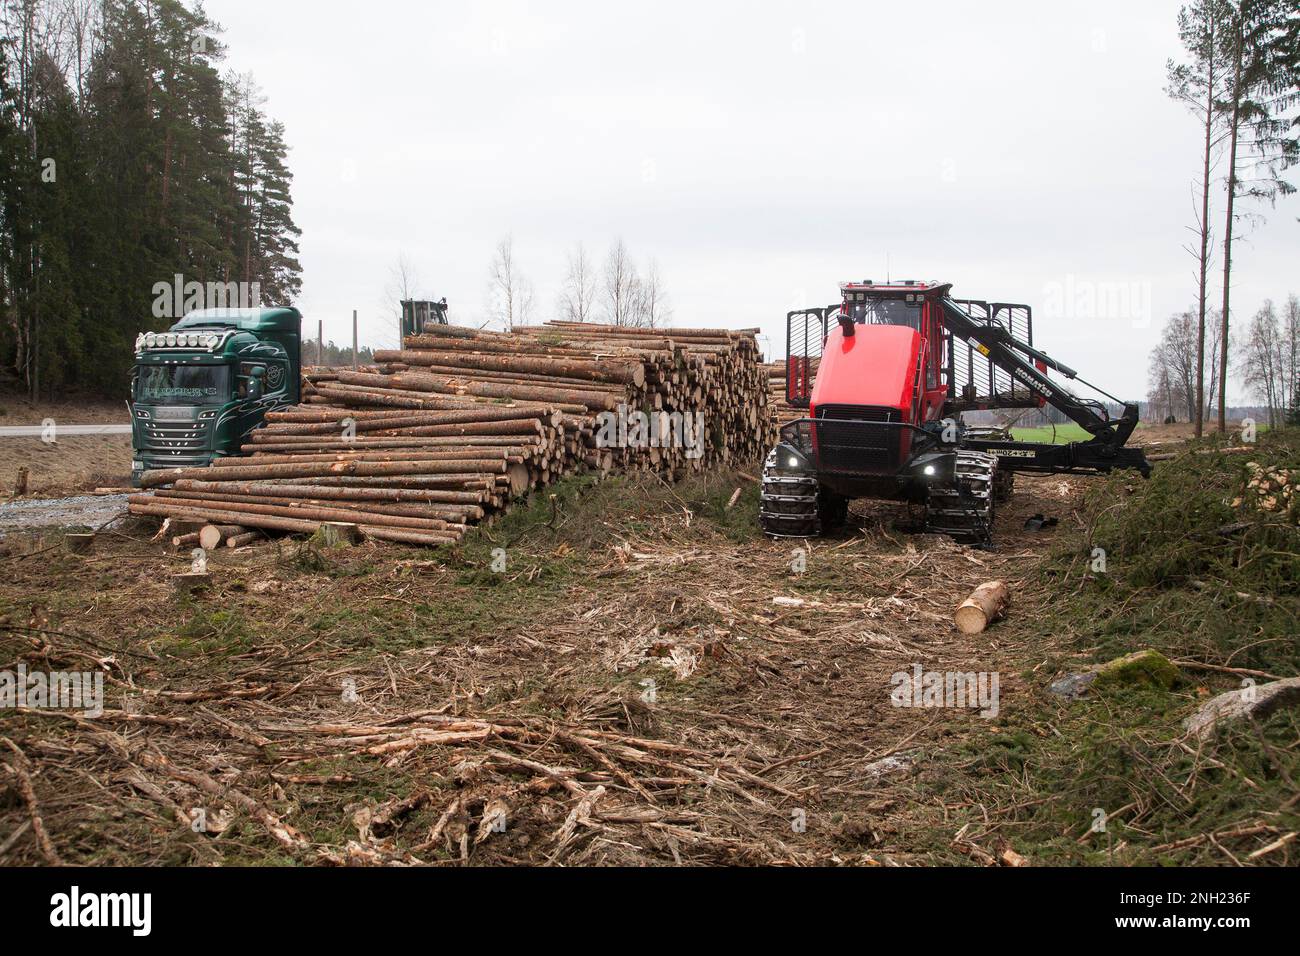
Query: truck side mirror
{"x": 254, "y": 387}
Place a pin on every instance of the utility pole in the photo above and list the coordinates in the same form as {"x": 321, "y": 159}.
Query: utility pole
{"x": 354, "y": 340}
{"x": 320, "y": 342}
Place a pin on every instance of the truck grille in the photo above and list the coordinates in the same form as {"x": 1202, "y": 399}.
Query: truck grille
{"x": 175, "y": 437}
{"x": 857, "y": 439}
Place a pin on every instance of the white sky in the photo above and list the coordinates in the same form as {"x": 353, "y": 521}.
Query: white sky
{"x": 761, "y": 150}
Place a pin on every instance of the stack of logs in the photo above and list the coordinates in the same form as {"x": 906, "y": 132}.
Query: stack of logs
{"x": 443, "y": 432}
{"x": 779, "y": 410}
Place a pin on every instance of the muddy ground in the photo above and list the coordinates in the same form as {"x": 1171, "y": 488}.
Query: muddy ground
{"x": 647, "y": 681}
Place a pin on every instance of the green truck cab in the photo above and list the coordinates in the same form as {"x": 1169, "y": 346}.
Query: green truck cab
{"x": 201, "y": 387}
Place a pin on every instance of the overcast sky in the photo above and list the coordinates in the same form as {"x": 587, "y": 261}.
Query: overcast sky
{"x": 761, "y": 151}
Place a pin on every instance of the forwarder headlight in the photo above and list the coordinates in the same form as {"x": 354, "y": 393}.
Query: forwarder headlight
{"x": 792, "y": 462}
{"x": 929, "y": 471}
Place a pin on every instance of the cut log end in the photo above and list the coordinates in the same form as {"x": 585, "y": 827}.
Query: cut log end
{"x": 986, "y": 604}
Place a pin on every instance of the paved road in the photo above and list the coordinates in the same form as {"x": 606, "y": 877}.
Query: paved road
{"x": 35, "y": 431}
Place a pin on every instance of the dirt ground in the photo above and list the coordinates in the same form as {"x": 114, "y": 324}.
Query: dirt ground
{"x": 646, "y": 682}
{"x": 75, "y": 463}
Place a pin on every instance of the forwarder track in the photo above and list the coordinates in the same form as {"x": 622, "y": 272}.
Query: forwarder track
{"x": 963, "y": 510}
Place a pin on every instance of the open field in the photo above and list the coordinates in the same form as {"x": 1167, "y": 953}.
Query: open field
{"x": 73, "y": 463}
{"x": 646, "y": 681}
{"x": 1053, "y": 434}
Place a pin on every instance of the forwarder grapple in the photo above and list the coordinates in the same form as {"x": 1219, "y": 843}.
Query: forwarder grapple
{"x": 885, "y": 389}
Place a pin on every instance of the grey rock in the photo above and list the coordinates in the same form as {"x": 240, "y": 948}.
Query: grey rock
{"x": 1255, "y": 702}
{"x": 898, "y": 763}
{"x": 1072, "y": 686}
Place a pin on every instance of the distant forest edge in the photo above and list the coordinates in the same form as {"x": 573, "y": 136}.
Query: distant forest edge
{"x": 126, "y": 158}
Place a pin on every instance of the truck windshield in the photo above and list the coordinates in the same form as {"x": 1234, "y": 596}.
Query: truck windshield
{"x": 182, "y": 384}
{"x": 885, "y": 312}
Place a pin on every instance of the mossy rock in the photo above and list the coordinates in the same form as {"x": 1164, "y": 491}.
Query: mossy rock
{"x": 1147, "y": 668}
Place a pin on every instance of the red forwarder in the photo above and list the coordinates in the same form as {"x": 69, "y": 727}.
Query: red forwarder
{"x": 893, "y": 376}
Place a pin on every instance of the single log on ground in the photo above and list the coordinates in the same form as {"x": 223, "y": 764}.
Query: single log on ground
{"x": 986, "y": 604}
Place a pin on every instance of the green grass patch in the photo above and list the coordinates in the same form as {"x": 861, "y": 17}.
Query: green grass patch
{"x": 1202, "y": 576}
{"x": 1051, "y": 434}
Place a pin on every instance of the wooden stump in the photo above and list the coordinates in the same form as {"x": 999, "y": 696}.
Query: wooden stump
{"x": 190, "y": 581}
{"x": 78, "y": 543}
{"x": 338, "y": 534}
{"x": 986, "y": 604}
{"x": 20, "y": 483}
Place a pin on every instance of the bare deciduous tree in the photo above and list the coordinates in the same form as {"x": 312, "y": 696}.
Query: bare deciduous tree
{"x": 652, "y": 308}
{"x": 510, "y": 292}
{"x": 622, "y": 286}
{"x": 1172, "y": 372}
{"x": 577, "y": 302}
{"x": 402, "y": 285}
{"x": 1263, "y": 359}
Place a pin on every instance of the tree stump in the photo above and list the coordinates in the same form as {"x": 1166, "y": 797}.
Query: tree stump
{"x": 337, "y": 534}
{"x": 191, "y": 581}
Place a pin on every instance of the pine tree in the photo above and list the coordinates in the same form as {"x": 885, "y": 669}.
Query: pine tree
{"x": 122, "y": 176}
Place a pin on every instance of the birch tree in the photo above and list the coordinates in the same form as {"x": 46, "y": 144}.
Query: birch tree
{"x": 510, "y": 292}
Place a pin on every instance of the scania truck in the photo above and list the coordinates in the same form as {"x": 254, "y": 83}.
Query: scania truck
{"x": 201, "y": 387}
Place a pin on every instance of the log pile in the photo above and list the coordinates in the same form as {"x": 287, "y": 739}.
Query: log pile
{"x": 779, "y": 410}
{"x": 448, "y": 429}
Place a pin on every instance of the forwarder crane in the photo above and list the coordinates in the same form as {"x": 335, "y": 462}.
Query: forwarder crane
{"x": 885, "y": 389}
